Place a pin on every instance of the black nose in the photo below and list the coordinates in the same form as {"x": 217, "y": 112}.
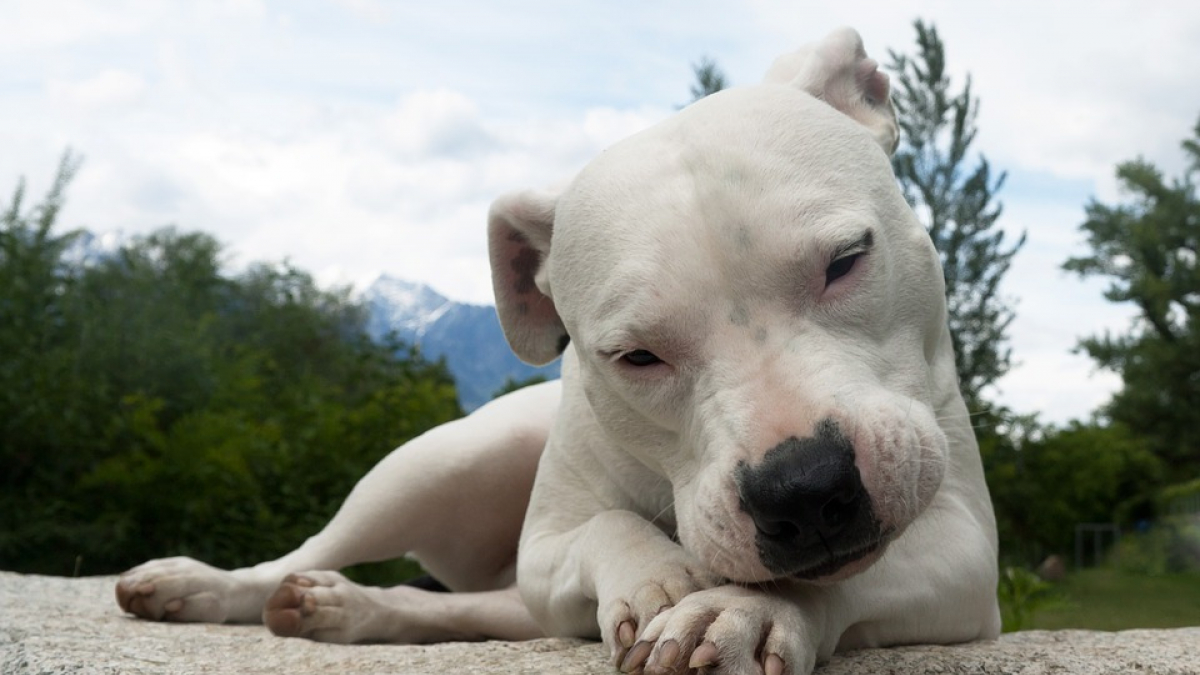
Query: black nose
{"x": 807, "y": 500}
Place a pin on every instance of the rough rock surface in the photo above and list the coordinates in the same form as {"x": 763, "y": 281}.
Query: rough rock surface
{"x": 51, "y": 625}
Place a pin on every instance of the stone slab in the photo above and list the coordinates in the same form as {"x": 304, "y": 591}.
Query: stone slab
{"x": 55, "y": 626}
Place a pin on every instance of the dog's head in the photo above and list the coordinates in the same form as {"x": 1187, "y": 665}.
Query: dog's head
{"x": 757, "y": 314}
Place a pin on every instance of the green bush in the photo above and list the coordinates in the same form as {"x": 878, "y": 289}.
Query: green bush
{"x": 1172, "y": 545}
{"x": 1021, "y": 594}
{"x": 1181, "y": 498}
{"x": 1048, "y": 481}
{"x": 152, "y": 404}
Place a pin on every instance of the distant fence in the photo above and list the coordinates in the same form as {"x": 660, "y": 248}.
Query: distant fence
{"x": 1101, "y": 536}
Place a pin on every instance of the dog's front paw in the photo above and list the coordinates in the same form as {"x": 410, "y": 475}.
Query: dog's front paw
{"x": 727, "y": 629}
{"x": 624, "y": 612}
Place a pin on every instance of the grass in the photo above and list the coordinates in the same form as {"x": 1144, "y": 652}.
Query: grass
{"x": 1108, "y": 599}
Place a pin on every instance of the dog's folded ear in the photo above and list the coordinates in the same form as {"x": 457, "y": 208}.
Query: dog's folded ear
{"x": 838, "y": 71}
{"x": 520, "y": 226}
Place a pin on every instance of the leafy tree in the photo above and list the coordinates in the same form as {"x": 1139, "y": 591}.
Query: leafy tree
{"x": 957, "y": 204}
{"x": 1147, "y": 248}
{"x": 1045, "y": 481}
{"x": 32, "y": 323}
{"x": 152, "y": 405}
{"x": 709, "y": 78}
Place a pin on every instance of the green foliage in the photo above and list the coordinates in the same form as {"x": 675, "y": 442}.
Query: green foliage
{"x": 152, "y": 405}
{"x": 1147, "y": 248}
{"x": 1171, "y": 546}
{"x": 957, "y": 204}
{"x": 384, "y": 573}
{"x": 1180, "y": 499}
{"x": 1045, "y": 481}
{"x": 709, "y": 78}
{"x": 1022, "y": 594}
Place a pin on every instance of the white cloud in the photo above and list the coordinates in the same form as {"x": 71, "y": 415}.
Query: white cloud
{"x": 1067, "y": 89}
{"x": 1054, "y": 310}
{"x": 433, "y": 124}
{"x": 402, "y": 188}
{"x": 64, "y": 23}
{"x": 110, "y": 87}
{"x": 374, "y": 10}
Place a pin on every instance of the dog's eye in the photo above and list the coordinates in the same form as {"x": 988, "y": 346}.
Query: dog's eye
{"x": 640, "y": 358}
{"x": 840, "y": 267}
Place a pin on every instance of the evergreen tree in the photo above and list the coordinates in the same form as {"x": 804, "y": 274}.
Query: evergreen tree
{"x": 1147, "y": 248}
{"x": 957, "y": 204}
{"x": 709, "y": 78}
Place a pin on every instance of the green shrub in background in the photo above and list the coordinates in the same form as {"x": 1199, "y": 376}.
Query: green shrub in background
{"x": 1172, "y": 545}
{"x": 1180, "y": 499}
{"x": 1044, "y": 481}
{"x": 152, "y": 404}
{"x": 1022, "y": 594}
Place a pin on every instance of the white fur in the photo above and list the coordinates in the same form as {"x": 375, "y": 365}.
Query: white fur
{"x": 704, "y": 240}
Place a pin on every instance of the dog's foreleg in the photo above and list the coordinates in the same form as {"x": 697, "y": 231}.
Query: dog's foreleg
{"x": 607, "y": 578}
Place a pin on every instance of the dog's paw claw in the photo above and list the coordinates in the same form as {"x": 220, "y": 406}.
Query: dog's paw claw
{"x": 633, "y": 607}
{"x": 704, "y": 656}
{"x": 626, "y": 634}
{"x": 636, "y": 657}
{"x": 666, "y": 660}
{"x": 730, "y": 629}
{"x": 773, "y": 665}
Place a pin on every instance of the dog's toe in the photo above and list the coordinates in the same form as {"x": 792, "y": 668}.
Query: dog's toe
{"x": 304, "y": 604}
{"x": 732, "y": 630}
{"x": 627, "y": 613}
{"x": 282, "y": 613}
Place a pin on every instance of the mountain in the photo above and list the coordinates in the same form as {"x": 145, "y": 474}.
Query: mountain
{"x": 90, "y": 248}
{"x": 468, "y": 336}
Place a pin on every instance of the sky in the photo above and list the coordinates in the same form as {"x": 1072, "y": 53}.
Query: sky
{"x": 360, "y": 137}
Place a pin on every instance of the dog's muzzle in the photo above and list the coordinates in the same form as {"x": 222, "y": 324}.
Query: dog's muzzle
{"x": 811, "y": 513}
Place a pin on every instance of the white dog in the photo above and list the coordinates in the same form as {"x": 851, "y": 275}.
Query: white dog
{"x": 758, "y": 452}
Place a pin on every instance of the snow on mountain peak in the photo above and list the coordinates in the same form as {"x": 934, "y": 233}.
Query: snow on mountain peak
{"x": 468, "y": 336}
{"x": 405, "y": 305}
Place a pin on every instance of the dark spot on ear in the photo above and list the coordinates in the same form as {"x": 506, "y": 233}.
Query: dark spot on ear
{"x": 563, "y": 341}
{"x": 522, "y": 308}
{"x": 525, "y": 265}
{"x": 739, "y": 316}
{"x": 742, "y": 237}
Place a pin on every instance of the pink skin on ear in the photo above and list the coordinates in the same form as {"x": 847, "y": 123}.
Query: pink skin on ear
{"x": 519, "y": 232}
{"x": 873, "y": 83}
